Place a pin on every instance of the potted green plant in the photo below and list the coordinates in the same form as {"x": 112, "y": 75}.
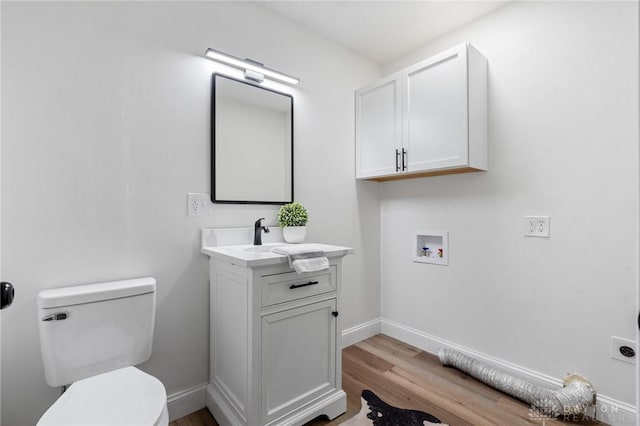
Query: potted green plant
{"x": 292, "y": 218}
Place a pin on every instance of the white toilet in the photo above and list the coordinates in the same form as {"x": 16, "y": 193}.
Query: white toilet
{"x": 90, "y": 337}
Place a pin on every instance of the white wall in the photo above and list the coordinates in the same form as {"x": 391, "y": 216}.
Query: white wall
{"x": 563, "y": 140}
{"x": 105, "y": 113}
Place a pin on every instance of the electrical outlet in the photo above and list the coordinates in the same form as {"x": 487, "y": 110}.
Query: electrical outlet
{"x": 536, "y": 226}
{"x": 198, "y": 204}
{"x": 623, "y": 349}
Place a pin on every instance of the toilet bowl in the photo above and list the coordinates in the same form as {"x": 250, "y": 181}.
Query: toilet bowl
{"x": 124, "y": 397}
{"x": 91, "y": 336}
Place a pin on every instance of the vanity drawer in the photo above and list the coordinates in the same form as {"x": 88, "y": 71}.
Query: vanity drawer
{"x": 280, "y": 288}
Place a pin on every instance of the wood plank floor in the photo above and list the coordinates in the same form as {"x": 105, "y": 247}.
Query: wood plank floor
{"x": 407, "y": 377}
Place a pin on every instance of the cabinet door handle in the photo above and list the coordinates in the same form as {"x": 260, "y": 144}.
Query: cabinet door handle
{"x": 335, "y": 313}
{"x": 303, "y": 285}
{"x": 397, "y": 160}
{"x": 404, "y": 159}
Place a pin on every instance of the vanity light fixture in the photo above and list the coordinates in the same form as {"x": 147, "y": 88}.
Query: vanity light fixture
{"x": 252, "y": 70}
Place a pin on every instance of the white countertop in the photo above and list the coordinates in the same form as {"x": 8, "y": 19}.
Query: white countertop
{"x": 249, "y": 256}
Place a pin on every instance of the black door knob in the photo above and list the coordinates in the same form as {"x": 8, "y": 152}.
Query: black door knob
{"x": 6, "y": 294}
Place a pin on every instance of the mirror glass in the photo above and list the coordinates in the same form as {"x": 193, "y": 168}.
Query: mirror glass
{"x": 251, "y": 143}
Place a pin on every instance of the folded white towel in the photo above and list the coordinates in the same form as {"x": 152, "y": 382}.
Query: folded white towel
{"x": 313, "y": 264}
{"x": 304, "y": 257}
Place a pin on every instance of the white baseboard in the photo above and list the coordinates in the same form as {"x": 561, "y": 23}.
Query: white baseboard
{"x": 607, "y": 409}
{"x": 187, "y": 401}
{"x": 360, "y": 332}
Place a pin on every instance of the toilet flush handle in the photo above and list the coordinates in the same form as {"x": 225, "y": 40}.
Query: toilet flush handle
{"x": 58, "y": 316}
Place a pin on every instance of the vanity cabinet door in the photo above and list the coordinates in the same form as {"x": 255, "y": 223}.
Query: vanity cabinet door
{"x": 379, "y": 128}
{"x": 298, "y": 357}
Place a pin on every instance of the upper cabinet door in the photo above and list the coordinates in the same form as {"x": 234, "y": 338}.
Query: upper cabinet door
{"x": 378, "y": 128}
{"x": 435, "y": 112}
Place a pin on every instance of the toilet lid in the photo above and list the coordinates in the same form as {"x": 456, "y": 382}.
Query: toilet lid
{"x": 123, "y": 397}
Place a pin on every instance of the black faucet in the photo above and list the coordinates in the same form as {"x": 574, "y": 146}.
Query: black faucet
{"x": 257, "y": 232}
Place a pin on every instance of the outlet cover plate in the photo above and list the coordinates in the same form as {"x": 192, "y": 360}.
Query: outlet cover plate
{"x": 537, "y": 226}
{"x": 617, "y": 343}
{"x": 198, "y": 204}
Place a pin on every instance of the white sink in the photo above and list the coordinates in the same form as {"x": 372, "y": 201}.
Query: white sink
{"x": 247, "y": 254}
{"x": 261, "y": 249}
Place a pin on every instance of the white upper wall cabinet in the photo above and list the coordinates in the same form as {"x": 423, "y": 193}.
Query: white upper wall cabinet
{"x": 427, "y": 119}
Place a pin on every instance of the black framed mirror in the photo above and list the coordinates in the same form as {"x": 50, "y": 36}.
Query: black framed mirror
{"x": 251, "y": 143}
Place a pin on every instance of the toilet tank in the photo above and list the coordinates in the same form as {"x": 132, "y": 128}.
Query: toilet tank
{"x": 94, "y": 328}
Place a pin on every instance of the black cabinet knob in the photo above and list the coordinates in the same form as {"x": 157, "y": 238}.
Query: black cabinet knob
{"x": 334, "y": 313}
{"x": 6, "y": 294}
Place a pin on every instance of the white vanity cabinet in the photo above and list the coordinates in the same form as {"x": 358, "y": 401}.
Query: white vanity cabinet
{"x": 427, "y": 119}
{"x": 275, "y": 339}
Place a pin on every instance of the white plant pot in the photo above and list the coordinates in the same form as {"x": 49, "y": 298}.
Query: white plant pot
{"x": 294, "y": 234}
